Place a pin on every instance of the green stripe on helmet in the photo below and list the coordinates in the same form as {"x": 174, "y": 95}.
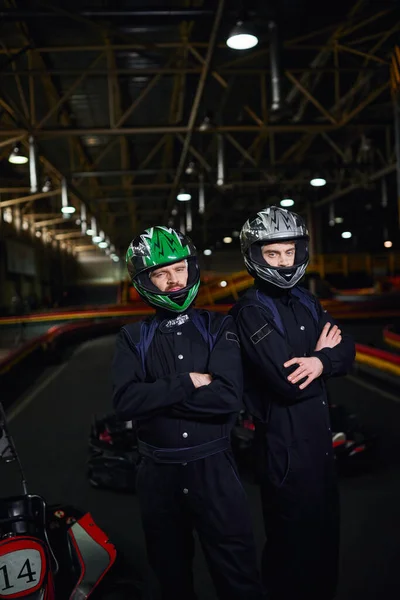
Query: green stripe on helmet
{"x": 164, "y": 246}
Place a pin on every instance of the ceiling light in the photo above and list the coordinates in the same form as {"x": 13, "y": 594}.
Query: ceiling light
{"x": 115, "y": 258}
{"x": 227, "y": 240}
{"x": 346, "y": 235}
{"x": 190, "y": 169}
{"x": 103, "y": 244}
{"x": 207, "y": 252}
{"x": 38, "y": 234}
{"x": 241, "y": 37}
{"x": 17, "y": 156}
{"x": 338, "y": 220}
{"x": 68, "y": 210}
{"x": 89, "y": 232}
{"x": 388, "y": 244}
{"x": 223, "y": 283}
{"x": 183, "y": 196}
{"x": 97, "y": 238}
{"x": 47, "y": 185}
{"x": 66, "y": 207}
{"x": 207, "y": 123}
{"x": 318, "y": 182}
{"x": 286, "y": 202}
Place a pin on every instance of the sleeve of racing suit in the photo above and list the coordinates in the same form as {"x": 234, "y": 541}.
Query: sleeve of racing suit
{"x": 132, "y": 397}
{"x": 337, "y": 360}
{"x": 224, "y": 394}
{"x": 267, "y": 350}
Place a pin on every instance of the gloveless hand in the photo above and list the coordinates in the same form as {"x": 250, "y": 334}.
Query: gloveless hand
{"x": 309, "y": 366}
{"x": 200, "y": 379}
{"x": 329, "y": 338}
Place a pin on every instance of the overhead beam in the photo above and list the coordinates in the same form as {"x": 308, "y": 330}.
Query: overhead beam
{"x": 355, "y": 186}
{"x": 225, "y": 85}
{"x": 30, "y": 198}
{"x": 67, "y": 94}
{"x": 310, "y": 97}
{"x": 176, "y": 129}
{"x": 45, "y": 222}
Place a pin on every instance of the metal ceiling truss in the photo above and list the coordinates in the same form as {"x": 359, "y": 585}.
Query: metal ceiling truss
{"x": 353, "y": 63}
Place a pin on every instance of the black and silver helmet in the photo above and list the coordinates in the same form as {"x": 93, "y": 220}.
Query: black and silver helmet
{"x": 269, "y": 226}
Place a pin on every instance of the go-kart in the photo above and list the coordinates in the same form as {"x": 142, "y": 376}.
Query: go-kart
{"x": 53, "y": 552}
{"x": 113, "y": 454}
{"x": 351, "y": 443}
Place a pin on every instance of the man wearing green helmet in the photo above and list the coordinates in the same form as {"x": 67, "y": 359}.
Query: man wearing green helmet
{"x": 178, "y": 375}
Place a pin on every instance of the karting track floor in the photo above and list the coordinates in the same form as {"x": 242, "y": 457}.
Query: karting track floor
{"x": 51, "y": 423}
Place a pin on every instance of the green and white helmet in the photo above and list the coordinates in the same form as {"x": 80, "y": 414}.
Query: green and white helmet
{"x": 156, "y": 247}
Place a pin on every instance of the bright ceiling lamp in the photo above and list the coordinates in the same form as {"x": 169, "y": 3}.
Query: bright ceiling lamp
{"x": 92, "y": 230}
{"x": 47, "y": 185}
{"x": 115, "y": 258}
{"x": 346, "y": 235}
{"x": 207, "y": 252}
{"x": 103, "y": 244}
{"x": 68, "y": 210}
{"x": 183, "y": 196}
{"x": 318, "y": 182}
{"x": 66, "y": 207}
{"x": 286, "y": 202}
{"x": 241, "y": 37}
{"x": 388, "y": 244}
{"x": 223, "y": 283}
{"x": 17, "y": 156}
{"x": 227, "y": 240}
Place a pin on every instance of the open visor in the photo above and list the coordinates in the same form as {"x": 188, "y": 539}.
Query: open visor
{"x": 301, "y": 255}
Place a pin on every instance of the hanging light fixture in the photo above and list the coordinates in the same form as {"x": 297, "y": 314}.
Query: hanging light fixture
{"x": 346, "y": 235}
{"x": 47, "y": 185}
{"x": 83, "y": 219}
{"x": 17, "y": 156}
{"x": 98, "y": 238}
{"x": 207, "y": 122}
{"x": 183, "y": 196}
{"x": 242, "y": 37}
{"x": 286, "y": 202}
{"x": 318, "y": 181}
{"x": 66, "y": 208}
{"x": 93, "y": 227}
{"x": 191, "y": 168}
{"x": 202, "y": 202}
{"x": 189, "y": 222}
{"x": 33, "y": 176}
{"x": 221, "y": 160}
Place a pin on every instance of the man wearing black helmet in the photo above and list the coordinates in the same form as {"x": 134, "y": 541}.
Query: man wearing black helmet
{"x": 290, "y": 346}
{"x": 178, "y": 375}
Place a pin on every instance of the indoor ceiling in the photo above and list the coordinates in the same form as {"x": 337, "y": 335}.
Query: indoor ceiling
{"x": 129, "y": 102}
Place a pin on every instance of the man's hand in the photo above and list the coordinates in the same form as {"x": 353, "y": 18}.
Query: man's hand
{"x": 310, "y": 367}
{"x": 200, "y": 379}
{"x": 329, "y": 338}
